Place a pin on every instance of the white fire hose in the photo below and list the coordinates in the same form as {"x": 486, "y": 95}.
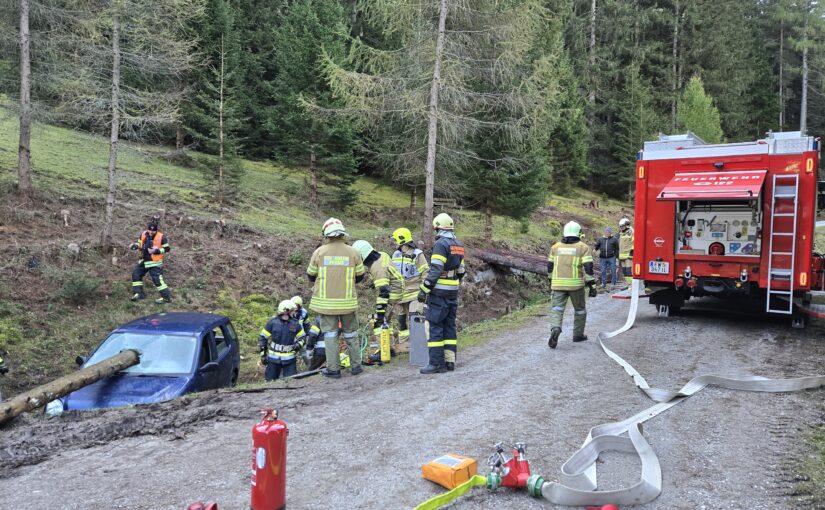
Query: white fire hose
{"x": 579, "y": 483}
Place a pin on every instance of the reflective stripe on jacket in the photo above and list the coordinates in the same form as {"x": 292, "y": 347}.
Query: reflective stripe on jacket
{"x": 568, "y": 265}
{"x": 335, "y": 266}
{"x": 446, "y": 268}
{"x": 280, "y": 339}
{"x": 625, "y": 243}
{"x": 412, "y": 264}
{"x": 385, "y": 274}
{"x": 158, "y": 241}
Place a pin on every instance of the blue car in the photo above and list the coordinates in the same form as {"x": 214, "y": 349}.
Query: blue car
{"x": 180, "y": 352}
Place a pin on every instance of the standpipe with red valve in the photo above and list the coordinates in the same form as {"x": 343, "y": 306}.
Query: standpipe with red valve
{"x": 510, "y": 472}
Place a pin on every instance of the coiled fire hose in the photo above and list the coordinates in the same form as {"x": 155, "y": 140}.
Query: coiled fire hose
{"x": 579, "y": 483}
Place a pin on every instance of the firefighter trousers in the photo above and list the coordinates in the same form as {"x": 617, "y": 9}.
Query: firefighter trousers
{"x": 347, "y": 327}
{"x": 156, "y": 273}
{"x": 443, "y": 341}
{"x": 559, "y": 301}
{"x": 276, "y": 370}
{"x": 626, "y": 265}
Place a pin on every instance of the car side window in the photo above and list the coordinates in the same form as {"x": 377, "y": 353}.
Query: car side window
{"x": 221, "y": 341}
{"x": 206, "y": 351}
{"x": 229, "y": 331}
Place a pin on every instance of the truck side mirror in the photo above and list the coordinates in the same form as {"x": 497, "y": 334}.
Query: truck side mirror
{"x": 80, "y": 360}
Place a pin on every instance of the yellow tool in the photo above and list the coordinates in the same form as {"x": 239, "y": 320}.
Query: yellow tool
{"x": 384, "y": 342}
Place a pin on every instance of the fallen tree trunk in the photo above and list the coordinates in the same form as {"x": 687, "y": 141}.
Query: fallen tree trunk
{"x": 520, "y": 261}
{"x": 62, "y": 386}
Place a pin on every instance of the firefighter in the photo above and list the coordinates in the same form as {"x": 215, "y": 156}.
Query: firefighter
{"x": 626, "y": 249}
{"x": 302, "y": 314}
{"x": 279, "y": 342}
{"x": 153, "y": 245}
{"x": 411, "y": 262}
{"x": 440, "y": 291}
{"x": 316, "y": 349}
{"x": 335, "y": 268}
{"x": 389, "y": 283}
{"x": 570, "y": 266}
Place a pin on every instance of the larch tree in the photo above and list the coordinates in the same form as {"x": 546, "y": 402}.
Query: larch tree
{"x": 442, "y": 81}
{"x": 211, "y": 116}
{"x": 697, "y": 113}
{"x": 24, "y": 182}
{"x": 117, "y": 65}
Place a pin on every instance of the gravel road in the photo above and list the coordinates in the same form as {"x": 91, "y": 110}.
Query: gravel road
{"x": 359, "y": 442}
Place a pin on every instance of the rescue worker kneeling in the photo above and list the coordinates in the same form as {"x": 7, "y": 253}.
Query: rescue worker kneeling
{"x": 280, "y": 341}
{"x": 570, "y": 266}
{"x": 316, "y": 348}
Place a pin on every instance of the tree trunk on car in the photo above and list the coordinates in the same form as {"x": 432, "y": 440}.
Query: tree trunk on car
{"x": 42, "y": 395}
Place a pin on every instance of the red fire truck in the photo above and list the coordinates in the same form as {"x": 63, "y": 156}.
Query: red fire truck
{"x": 729, "y": 220}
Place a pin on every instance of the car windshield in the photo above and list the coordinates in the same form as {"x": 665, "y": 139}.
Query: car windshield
{"x": 159, "y": 353}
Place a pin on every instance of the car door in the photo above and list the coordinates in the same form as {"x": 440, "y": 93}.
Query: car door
{"x": 208, "y": 370}
{"x": 223, "y": 350}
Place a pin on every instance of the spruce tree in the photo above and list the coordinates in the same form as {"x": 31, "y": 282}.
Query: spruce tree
{"x": 306, "y": 31}
{"x": 637, "y": 122}
{"x": 697, "y": 113}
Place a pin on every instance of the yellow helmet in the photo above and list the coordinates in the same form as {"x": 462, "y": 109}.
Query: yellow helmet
{"x": 402, "y": 236}
{"x": 443, "y": 222}
{"x": 345, "y": 363}
{"x": 297, "y": 300}
{"x": 572, "y": 229}
{"x": 333, "y": 228}
{"x": 286, "y": 306}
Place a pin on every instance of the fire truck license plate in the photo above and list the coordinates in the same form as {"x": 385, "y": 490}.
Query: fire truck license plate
{"x": 658, "y": 267}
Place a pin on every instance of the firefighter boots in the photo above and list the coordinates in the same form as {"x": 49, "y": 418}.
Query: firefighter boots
{"x": 137, "y": 296}
{"x": 450, "y": 366}
{"x": 356, "y": 370}
{"x": 431, "y": 369}
{"x": 554, "y": 338}
{"x": 580, "y": 338}
{"x": 333, "y": 374}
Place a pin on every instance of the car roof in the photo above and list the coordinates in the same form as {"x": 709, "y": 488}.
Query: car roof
{"x": 174, "y": 322}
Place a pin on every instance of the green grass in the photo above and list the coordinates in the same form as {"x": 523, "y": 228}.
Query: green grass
{"x": 84, "y": 299}
{"x": 812, "y": 482}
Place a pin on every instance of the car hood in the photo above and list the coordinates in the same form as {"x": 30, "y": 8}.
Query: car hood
{"x": 127, "y": 389}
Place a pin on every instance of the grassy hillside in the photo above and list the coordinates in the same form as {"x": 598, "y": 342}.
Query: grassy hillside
{"x": 55, "y": 304}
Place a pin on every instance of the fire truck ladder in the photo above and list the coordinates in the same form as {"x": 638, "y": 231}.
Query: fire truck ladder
{"x": 785, "y": 189}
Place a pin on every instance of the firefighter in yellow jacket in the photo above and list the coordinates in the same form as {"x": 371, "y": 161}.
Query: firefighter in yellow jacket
{"x": 389, "y": 283}
{"x": 570, "y": 266}
{"x": 626, "y": 235}
{"x": 411, "y": 262}
{"x": 335, "y": 268}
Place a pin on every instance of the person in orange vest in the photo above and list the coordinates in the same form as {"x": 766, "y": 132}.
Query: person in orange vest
{"x": 153, "y": 245}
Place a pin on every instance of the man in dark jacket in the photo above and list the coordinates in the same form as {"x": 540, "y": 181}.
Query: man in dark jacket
{"x": 608, "y": 248}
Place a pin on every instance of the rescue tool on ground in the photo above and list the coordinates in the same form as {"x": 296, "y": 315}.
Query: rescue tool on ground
{"x": 731, "y": 220}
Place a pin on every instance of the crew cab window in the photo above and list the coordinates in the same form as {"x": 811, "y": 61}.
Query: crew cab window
{"x": 221, "y": 341}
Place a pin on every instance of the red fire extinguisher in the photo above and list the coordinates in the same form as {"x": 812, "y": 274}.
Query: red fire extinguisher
{"x": 269, "y": 462}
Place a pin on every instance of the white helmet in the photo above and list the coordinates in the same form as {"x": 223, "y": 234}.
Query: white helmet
{"x": 364, "y": 248}
{"x": 333, "y": 228}
{"x": 572, "y": 229}
{"x": 286, "y": 306}
{"x": 624, "y": 222}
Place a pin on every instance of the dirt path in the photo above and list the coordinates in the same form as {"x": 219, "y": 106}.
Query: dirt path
{"x": 359, "y": 442}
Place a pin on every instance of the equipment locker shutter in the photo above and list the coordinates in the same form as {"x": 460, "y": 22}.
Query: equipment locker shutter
{"x": 732, "y": 185}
